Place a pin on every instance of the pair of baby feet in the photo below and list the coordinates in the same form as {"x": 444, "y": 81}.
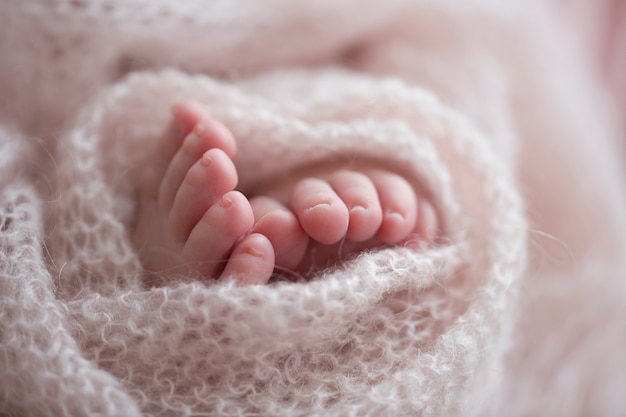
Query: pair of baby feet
{"x": 192, "y": 221}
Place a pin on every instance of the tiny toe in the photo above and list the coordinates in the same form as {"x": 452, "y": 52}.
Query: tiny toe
{"x": 251, "y": 262}
{"x": 281, "y": 227}
{"x": 427, "y": 221}
{"x": 188, "y": 154}
{"x": 187, "y": 114}
{"x": 399, "y": 206}
{"x": 205, "y": 135}
{"x": 322, "y": 214}
{"x": 190, "y": 115}
{"x": 213, "y": 237}
{"x": 361, "y": 198}
{"x": 204, "y": 185}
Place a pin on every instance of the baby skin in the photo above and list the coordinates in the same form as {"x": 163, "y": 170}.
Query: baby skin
{"x": 193, "y": 221}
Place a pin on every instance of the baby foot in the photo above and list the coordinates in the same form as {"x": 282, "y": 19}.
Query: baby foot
{"x": 349, "y": 211}
{"x": 192, "y": 220}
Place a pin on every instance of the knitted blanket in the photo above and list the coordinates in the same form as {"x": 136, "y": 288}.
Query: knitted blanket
{"x": 431, "y": 90}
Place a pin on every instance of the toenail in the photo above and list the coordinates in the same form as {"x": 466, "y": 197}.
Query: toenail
{"x": 206, "y": 160}
{"x": 394, "y": 214}
{"x": 279, "y": 211}
{"x": 226, "y": 202}
{"x": 199, "y": 129}
{"x": 323, "y": 204}
{"x": 358, "y": 207}
{"x": 256, "y": 253}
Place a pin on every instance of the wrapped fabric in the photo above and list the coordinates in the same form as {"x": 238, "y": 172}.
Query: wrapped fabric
{"x": 517, "y": 310}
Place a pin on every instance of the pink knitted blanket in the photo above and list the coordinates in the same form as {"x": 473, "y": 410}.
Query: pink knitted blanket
{"x": 487, "y": 109}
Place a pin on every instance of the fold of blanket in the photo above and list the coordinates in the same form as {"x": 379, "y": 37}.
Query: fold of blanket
{"x": 393, "y": 331}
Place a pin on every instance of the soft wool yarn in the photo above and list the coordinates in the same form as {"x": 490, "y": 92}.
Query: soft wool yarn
{"x": 478, "y": 325}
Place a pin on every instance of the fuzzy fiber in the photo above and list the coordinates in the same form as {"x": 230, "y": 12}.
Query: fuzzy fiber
{"x": 484, "y": 105}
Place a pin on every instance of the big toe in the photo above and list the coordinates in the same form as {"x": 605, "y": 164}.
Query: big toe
{"x": 321, "y": 212}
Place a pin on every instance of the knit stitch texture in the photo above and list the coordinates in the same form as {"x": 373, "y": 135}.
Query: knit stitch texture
{"x": 394, "y": 331}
